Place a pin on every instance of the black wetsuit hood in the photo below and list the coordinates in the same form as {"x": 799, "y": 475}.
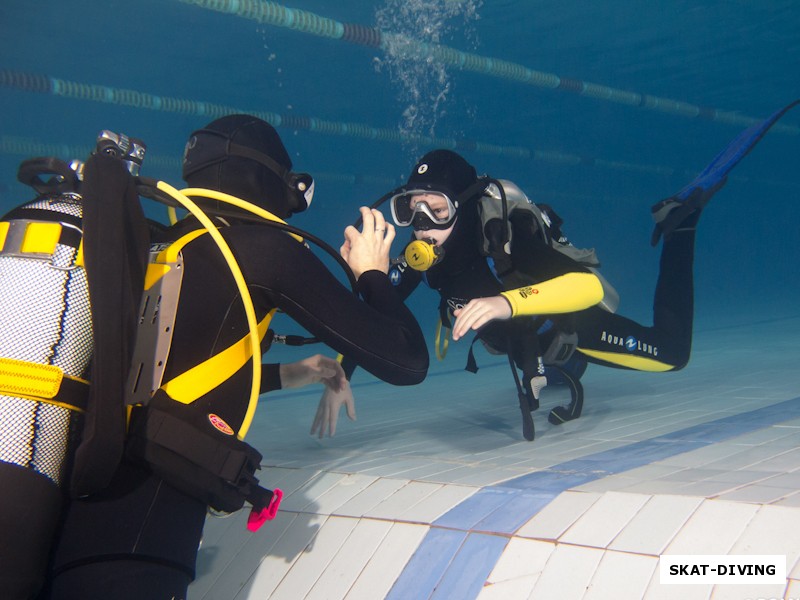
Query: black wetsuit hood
{"x": 462, "y": 247}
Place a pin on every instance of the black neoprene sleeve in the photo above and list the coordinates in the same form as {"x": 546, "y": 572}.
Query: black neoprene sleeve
{"x": 379, "y": 332}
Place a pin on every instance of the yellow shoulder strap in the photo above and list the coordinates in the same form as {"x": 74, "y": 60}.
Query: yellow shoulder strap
{"x": 201, "y": 379}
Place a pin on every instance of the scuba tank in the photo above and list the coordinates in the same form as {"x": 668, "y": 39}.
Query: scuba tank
{"x": 46, "y": 333}
{"x": 49, "y": 352}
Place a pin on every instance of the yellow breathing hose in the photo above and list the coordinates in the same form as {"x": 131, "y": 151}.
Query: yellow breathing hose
{"x": 441, "y": 348}
{"x": 182, "y": 197}
{"x": 239, "y": 203}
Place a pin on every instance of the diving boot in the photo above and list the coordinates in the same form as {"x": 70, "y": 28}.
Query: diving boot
{"x": 674, "y": 214}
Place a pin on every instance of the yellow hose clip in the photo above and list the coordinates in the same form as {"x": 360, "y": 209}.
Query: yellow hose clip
{"x": 441, "y": 347}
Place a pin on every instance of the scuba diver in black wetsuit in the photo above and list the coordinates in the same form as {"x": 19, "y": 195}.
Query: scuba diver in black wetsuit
{"x": 504, "y": 269}
{"x": 524, "y": 292}
{"x": 139, "y": 537}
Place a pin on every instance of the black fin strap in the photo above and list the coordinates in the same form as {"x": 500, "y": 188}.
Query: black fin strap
{"x": 472, "y": 364}
{"x": 562, "y": 414}
{"x": 528, "y": 428}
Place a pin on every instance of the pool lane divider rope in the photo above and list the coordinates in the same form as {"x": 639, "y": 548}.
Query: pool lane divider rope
{"x": 43, "y": 84}
{"x": 272, "y": 13}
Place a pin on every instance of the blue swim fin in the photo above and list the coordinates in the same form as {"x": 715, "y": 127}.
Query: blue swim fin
{"x": 670, "y": 212}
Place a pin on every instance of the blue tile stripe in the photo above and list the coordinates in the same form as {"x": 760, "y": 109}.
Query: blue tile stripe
{"x": 449, "y": 564}
{"x": 425, "y": 568}
{"x": 559, "y": 478}
{"x": 467, "y": 574}
{"x": 449, "y": 561}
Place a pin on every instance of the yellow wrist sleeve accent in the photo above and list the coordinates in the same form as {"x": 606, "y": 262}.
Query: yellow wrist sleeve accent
{"x": 563, "y": 294}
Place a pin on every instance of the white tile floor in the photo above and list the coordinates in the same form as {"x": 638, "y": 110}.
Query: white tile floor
{"x": 432, "y": 493}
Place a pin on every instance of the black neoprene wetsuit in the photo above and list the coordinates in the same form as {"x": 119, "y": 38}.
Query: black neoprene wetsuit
{"x": 139, "y": 537}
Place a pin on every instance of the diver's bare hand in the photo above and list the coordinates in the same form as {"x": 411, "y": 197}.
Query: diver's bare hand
{"x": 329, "y": 408}
{"x": 477, "y": 313}
{"x": 314, "y": 369}
{"x": 368, "y": 249}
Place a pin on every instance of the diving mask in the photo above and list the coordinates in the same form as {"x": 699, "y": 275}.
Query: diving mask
{"x": 424, "y": 209}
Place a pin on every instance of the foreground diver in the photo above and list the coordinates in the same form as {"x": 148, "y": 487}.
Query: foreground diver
{"x": 504, "y": 269}
{"x": 59, "y": 355}
{"x": 139, "y": 537}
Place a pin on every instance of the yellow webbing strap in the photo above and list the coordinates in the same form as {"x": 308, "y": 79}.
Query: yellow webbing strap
{"x": 441, "y": 348}
{"x": 201, "y": 379}
{"x": 167, "y": 258}
{"x": 41, "y": 238}
{"x": 254, "y": 337}
{"x": 79, "y": 256}
{"x": 155, "y": 271}
{"x": 638, "y": 363}
{"x": 42, "y": 383}
{"x": 19, "y": 377}
{"x": 170, "y": 254}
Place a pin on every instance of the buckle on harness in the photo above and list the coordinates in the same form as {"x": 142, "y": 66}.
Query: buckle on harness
{"x": 258, "y": 517}
{"x": 38, "y": 240}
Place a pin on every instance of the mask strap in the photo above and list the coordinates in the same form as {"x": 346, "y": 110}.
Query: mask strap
{"x": 476, "y": 189}
{"x": 260, "y": 157}
{"x": 299, "y": 183}
{"x": 289, "y": 177}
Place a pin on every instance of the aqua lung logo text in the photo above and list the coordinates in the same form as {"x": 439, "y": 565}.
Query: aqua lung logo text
{"x": 396, "y": 270}
{"x": 630, "y": 343}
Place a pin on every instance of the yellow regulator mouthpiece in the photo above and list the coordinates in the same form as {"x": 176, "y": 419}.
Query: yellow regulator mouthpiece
{"x": 421, "y": 255}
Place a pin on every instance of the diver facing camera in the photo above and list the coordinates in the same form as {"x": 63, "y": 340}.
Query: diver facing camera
{"x": 432, "y": 215}
{"x": 431, "y": 209}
